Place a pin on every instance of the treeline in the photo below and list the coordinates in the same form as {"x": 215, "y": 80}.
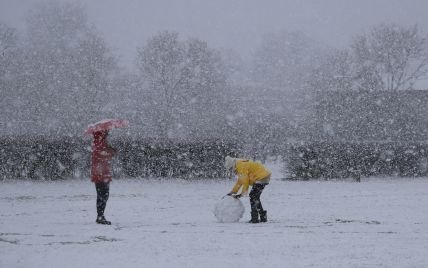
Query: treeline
{"x": 43, "y": 158}
{"x": 60, "y": 74}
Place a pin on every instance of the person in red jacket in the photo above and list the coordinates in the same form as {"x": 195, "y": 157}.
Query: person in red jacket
{"x": 101, "y": 173}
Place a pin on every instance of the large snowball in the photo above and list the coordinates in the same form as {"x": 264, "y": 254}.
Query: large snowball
{"x": 229, "y": 209}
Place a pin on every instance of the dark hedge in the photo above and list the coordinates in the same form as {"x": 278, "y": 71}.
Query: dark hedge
{"x": 46, "y": 158}
{"x": 352, "y": 160}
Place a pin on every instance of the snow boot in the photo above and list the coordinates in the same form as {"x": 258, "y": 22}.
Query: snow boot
{"x": 263, "y": 216}
{"x": 254, "y": 217}
{"x": 102, "y": 220}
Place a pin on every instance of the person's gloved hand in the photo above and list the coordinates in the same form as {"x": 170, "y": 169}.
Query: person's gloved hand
{"x": 228, "y": 194}
{"x": 234, "y": 195}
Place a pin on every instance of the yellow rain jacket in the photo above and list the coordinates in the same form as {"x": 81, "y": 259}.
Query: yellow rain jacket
{"x": 249, "y": 172}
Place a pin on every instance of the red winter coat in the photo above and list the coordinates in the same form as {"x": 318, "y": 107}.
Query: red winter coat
{"x": 101, "y": 158}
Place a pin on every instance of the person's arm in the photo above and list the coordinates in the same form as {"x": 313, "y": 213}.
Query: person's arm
{"x": 235, "y": 188}
{"x": 107, "y": 152}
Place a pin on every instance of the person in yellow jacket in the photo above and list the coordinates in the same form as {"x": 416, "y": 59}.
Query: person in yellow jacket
{"x": 249, "y": 173}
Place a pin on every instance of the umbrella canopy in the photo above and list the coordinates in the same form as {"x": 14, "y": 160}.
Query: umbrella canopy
{"x": 106, "y": 124}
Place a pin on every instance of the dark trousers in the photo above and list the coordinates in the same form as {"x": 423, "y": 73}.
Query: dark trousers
{"x": 256, "y": 191}
{"x": 103, "y": 191}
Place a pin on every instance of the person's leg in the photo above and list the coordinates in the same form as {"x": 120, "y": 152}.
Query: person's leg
{"x": 263, "y": 213}
{"x": 102, "y": 197}
{"x": 256, "y": 205}
{"x": 103, "y": 191}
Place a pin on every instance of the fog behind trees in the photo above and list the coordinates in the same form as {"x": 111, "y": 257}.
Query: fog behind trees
{"x": 60, "y": 72}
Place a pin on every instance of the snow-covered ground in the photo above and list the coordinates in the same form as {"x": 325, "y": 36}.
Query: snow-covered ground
{"x": 375, "y": 223}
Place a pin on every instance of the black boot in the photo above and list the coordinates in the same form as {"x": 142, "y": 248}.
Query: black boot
{"x": 254, "y": 217}
{"x": 102, "y": 220}
{"x": 263, "y": 216}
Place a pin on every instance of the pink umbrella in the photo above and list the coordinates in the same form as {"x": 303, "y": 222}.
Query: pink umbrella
{"x": 106, "y": 124}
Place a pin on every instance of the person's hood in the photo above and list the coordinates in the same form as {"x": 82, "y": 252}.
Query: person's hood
{"x": 230, "y": 162}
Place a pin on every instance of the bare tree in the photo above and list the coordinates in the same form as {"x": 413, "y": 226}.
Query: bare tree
{"x": 205, "y": 86}
{"x": 7, "y": 39}
{"x": 161, "y": 63}
{"x": 68, "y": 67}
{"x": 11, "y": 104}
{"x": 94, "y": 67}
{"x": 182, "y": 80}
{"x": 8, "y": 49}
{"x": 391, "y": 57}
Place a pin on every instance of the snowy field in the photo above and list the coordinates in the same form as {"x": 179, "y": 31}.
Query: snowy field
{"x": 375, "y": 223}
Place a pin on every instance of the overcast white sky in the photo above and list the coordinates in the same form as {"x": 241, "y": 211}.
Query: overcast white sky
{"x": 236, "y": 24}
